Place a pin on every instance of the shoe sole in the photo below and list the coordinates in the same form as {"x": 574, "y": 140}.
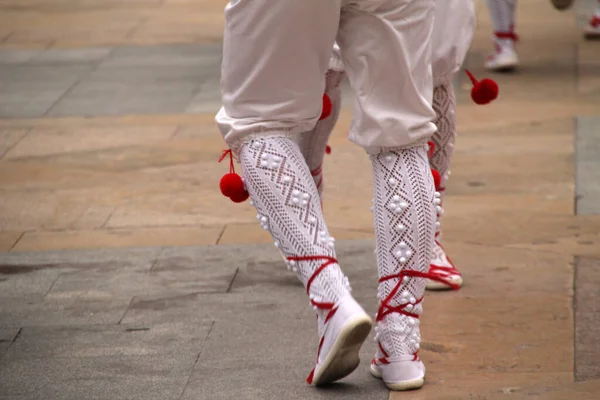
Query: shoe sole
{"x": 562, "y": 4}
{"x": 439, "y": 286}
{"x": 399, "y": 386}
{"x": 592, "y": 35}
{"x": 343, "y": 357}
{"x": 504, "y": 68}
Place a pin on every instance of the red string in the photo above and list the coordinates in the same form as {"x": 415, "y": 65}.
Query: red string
{"x": 327, "y": 261}
{"x": 595, "y": 22}
{"x": 386, "y": 309}
{"x": 472, "y": 77}
{"x": 507, "y": 35}
{"x": 230, "y": 154}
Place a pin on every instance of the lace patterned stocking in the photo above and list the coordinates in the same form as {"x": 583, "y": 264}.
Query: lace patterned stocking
{"x": 286, "y": 198}
{"x": 444, "y": 104}
{"x": 313, "y": 143}
{"x": 502, "y": 13}
{"x": 404, "y": 216}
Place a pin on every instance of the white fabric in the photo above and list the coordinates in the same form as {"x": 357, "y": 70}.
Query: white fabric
{"x": 404, "y": 217}
{"x": 288, "y": 206}
{"x": 453, "y": 31}
{"x": 276, "y": 53}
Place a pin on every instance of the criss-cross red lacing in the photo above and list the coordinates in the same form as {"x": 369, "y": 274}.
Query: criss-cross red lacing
{"x": 385, "y": 309}
{"x": 318, "y": 171}
{"x": 443, "y": 274}
{"x": 595, "y": 21}
{"x": 327, "y": 261}
{"x": 507, "y": 35}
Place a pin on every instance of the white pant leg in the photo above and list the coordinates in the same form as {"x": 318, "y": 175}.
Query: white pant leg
{"x": 453, "y": 30}
{"x": 275, "y": 55}
{"x": 386, "y": 48}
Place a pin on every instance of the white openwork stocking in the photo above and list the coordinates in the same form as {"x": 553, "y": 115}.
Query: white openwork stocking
{"x": 502, "y": 13}
{"x": 314, "y": 143}
{"x": 444, "y": 104}
{"x": 286, "y": 198}
{"x": 404, "y": 216}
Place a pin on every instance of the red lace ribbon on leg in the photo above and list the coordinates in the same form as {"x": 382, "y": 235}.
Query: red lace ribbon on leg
{"x": 442, "y": 273}
{"x": 327, "y": 261}
{"x": 507, "y": 35}
{"x": 316, "y": 172}
{"x": 385, "y": 309}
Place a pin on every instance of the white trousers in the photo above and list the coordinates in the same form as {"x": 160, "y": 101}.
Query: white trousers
{"x": 453, "y": 30}
{"x": 276, "y": 54}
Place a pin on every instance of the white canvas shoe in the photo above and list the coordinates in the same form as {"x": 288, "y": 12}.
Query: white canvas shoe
{"x": 445, "y": 273}
{"x": 592, "y": 29}
{"x": 347, "y": 326}
{"x": 504, "y": 58}
{"x": 562, "y": 4}
{"x": 399, "y": 373}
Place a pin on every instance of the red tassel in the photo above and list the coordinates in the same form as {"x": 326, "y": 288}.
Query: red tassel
{"x": 484, "y": 91}
{"x": 231, "y": 184}
{"x": 437, "y": 179}
{"x": 327, "y": 107}
{"x": 328, "y": 149}
{"x": 431, "y": 148}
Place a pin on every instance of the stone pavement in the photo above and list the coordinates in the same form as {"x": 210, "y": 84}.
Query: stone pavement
{"x": 125, "y": 275}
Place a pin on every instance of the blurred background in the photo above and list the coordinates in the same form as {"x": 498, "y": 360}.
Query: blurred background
{"x": 108, "y": 139}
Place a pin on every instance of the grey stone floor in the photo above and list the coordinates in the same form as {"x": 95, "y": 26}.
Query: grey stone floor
{"x": 587, "y": 160}
{"x": 172, "y": 323}
{"x": 109, "y": 81}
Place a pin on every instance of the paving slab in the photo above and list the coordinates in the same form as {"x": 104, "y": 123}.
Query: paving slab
{"x": 30, "y": 91}
{"x": 113, "y": 238}
{"x": 7, "y": 336}
{"x": 88, "y": 55}
{"x": 587, "y": 318}
{"x": 587, "y": 183}
{"x": 9, "y": 138}
{"x": 63, "y": 141}
{"x": 131, "y": 90}
{"x": 38, "y": 311}
{"x": 23, "y": 281}
{"x": 581, "y": 391}
{"x": 160, "y": 377}
{"x": 173, "y": 55}
{"x": 109, "y": 341}
{"x": 9, "y": 239}
{"x": 275, "y": 378}
{"x": 130, "y": 255}
{"x": 21, "y": 56}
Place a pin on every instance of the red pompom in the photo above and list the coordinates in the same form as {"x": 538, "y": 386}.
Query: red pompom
{"x": 327, "y": 107}
{"x": 240, "y": 197}
{"x": 232, "y": 185}
{"x": 437, "y": 179}
{"x": 328, "y": 149}
{"x": 484, "y": 91}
